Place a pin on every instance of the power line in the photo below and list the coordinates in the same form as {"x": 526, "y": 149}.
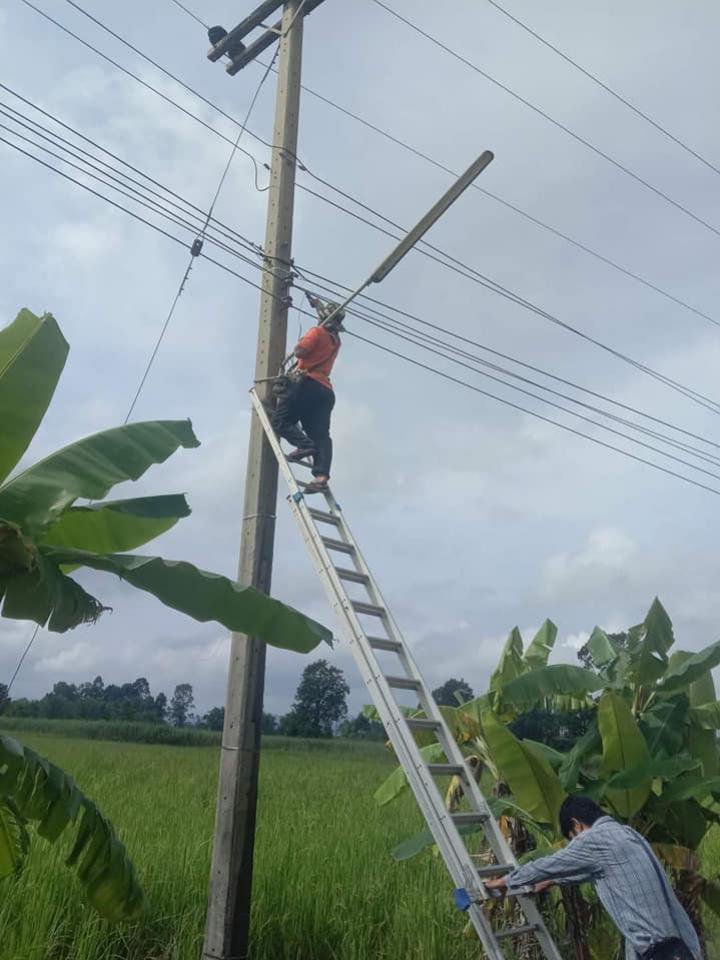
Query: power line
{"x": 386, "y": 349}
{"x": 546, "y": 116}
{"x": 20, "y": 662}
{"x": 470, "y": 273}
{"x": 149, "y": 86}
{"x": 686, "y": 448}
{"x": 506, "y": 203}
{"x": 256, "y": 250}
{"x": 189, "y": 12}
{"x": 418, "y": 342}
{"x": 195, "y": 249}
{"x": 532, "y": 413}
{"x": 335, "y": 286}
{"x": 488, "y": 193}
{"x": 193, "y": 227}
{"x": 605, "y": 86}
{"x": 136, "y": 196}
{"x": 497, "y": 288}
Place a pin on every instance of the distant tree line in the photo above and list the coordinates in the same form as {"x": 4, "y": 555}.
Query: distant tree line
{"x": 94, "y": 700}
{"x": 318, "y": 710}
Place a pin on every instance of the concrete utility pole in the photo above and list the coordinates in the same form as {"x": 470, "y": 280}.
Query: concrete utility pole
{"x": 228, "y": 918}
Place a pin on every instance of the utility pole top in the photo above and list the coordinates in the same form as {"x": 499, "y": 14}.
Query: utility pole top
{"x": 231, "y": 43}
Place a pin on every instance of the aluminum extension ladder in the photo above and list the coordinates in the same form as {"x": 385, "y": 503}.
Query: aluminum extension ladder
{"x": 467, "y": 876}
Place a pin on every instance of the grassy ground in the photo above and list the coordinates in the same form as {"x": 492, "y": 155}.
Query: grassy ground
{"x": 326, "y": 888}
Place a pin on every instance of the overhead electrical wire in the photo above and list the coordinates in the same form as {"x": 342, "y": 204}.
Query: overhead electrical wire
{"x": 539, "y": 416}
{"x": 488, "y": 193}
{"x": 253, "y": 248}
{"x": 557, "y": 123}
{"x": 333, "y": 288}
{"x": 388, "y": 350}
{"x": 608, "y": 89}
{"x": 470, "y": 273}
{"x": 490, "y": 284}
{"x": 510, "y": 206}
{"x": 199, "y": 240}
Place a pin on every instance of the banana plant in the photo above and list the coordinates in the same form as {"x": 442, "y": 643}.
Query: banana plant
{"x": 54, "y": 518}
{"x": 649, "y": 756}
{"x": 34, "y": 790}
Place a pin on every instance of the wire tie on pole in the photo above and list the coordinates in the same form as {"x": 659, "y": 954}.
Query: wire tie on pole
{"x": 264, "y": 516}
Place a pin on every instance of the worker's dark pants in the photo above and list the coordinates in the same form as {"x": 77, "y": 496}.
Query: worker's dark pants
{"x": 311, "y": 404}
{"x": 669, "y": 950}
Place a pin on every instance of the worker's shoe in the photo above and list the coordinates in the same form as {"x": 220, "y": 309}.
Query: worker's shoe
{"x": 297, "y": 455}
{"x": 317, "y": 486}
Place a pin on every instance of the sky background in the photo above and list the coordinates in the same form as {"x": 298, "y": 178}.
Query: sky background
{"x": 474, "y": 517}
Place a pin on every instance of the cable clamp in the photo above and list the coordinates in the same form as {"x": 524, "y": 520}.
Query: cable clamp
{"x": 196, "y": 246}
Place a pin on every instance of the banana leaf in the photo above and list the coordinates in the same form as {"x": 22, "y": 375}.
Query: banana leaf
{"x": 624, "y": 748}
{"x": 14, "y": 839}
{"x": 32, "y": 357}
{"x": 205, "y": 596}
{"x": 397, "y": 783}
{"x": 691, "y": 788}
{"x": 710, "y": 893}
{"x": 532, "y": 781}
{"x": 541, "y": 646}
{"x": 691, "y": 669}
{"x": 88, "y": 469}
{"x": 664, "y": 724}
{"x": 601, "y": 648}
{"x": 560, "y": 679}
{"x": 667, "y": 768}
{"x": 648, "y": 645}
{"x": 511, "y": 665}
{"x": 41, "y": 792}
{"x": 118, "y": 525}
{"x": 589, "y": 744}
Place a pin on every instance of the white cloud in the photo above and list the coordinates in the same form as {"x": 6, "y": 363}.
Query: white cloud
{"x": 600, "y": 564}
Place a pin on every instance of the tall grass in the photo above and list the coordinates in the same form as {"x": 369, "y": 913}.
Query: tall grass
{"x": 325, "y": 886}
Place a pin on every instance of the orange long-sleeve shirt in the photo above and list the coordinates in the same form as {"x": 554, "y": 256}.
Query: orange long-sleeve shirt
{"x": 319, "y": 349}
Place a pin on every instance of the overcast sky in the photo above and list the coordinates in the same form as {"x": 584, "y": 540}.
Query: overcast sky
{"x": 475, "y": 517}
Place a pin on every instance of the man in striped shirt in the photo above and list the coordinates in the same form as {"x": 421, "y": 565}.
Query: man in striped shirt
{"x": 629, "y": 880}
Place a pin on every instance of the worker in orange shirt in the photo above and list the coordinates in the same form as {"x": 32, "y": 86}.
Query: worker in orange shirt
{"x": 310, "y": 399}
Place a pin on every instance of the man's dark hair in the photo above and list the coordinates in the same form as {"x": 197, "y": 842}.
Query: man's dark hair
{"x": 582, "y": 809}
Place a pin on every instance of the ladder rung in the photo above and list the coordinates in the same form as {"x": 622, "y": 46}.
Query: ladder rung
{"x": 324, "y": 517}
{"x": 369, "y": 609}
{"x": 515, "y": 931}
{"x": 352, "y": 575}
{"x": 338, "y": 545}
{"x": 403, "y": 683}
{"x": 381, "y": 643}
{"x": 495, "y": 870}
{"x": 463, "y": 819}
{"x": 418, "y": 723}
{"x": 446, "y": 769}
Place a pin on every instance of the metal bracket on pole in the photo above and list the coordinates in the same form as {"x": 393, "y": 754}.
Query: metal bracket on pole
{"x": 231, "y": 43}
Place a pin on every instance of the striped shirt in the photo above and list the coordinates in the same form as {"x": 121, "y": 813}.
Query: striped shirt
{"x": 629, "y": 881}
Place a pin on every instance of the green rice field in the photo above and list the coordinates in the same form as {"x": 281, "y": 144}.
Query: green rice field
{"x": 325, "y": 885}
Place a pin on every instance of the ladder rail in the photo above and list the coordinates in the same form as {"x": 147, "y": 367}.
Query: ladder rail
{"x": 419, "y": 775}
{"x": 498, "y": 842}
